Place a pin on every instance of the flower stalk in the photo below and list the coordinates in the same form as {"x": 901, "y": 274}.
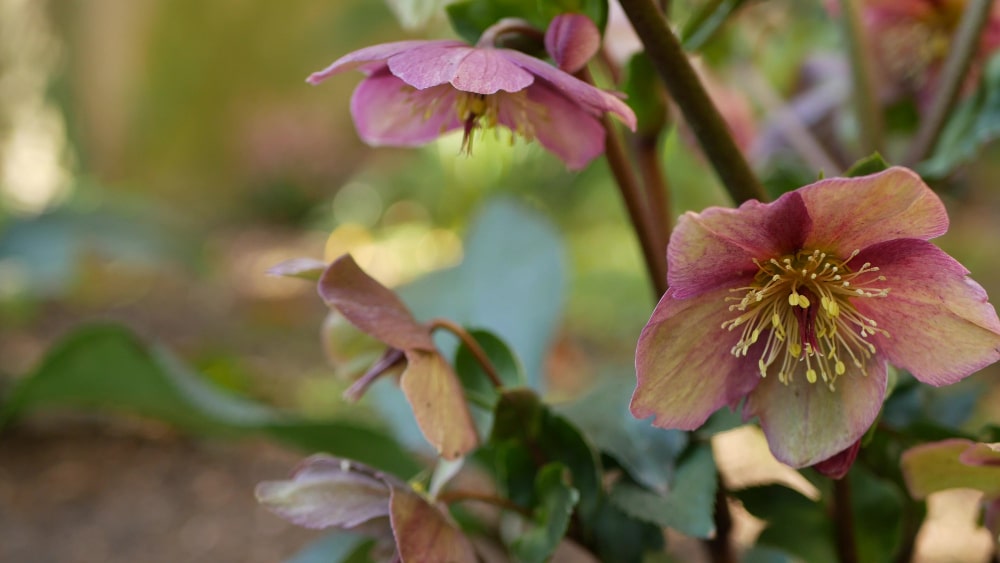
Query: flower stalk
{"x": 843, "y": 521}
{"x": 672, "y": 64}
{"x": 477, "y": 351}
{"x": 867, "y": 109}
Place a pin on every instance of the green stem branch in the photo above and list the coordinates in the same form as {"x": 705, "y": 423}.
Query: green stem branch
{"x": 672, "y": 64}
{"x": 963, "y": 47}
{"x": 867, "y": 109}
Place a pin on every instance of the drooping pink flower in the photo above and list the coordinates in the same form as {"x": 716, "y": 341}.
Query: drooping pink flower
{"x": 798, "y": 305}
{"x": 417, "y": 90}
{"x": 912, "y": 39}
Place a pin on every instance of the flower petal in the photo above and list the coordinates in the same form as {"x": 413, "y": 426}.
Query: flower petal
{"x": 851, "y": 213}
{"x": 438, "y": 403}
{"x": 806, "y": 423}
{"x": 384, "y": 112}
{"x": 561, "y": 126}
{"x": 929, "y": 468}
{"x": 980, "y": 454}
{"x": 836, "y": 466}
{"x": 718, "y": 245}
{"x": 327, "y": 491}
{"x": 572, "y": 40}
{"x": 683, "y": 362}
{"x": 593, "y": 99}
{"x": 423, "y": 532}
{"x": 470, "y": 69}
{"x": 941, "y": 326}
{"x": 371, "y": 306}
{"x": 375, "y": 53}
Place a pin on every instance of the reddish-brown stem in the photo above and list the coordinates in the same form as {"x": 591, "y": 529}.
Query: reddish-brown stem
{"x": 843, "y": 521}
{"x": 449, "y": 497}
{"x": 719, "y": 547}
{"x": 657, "y": 191}
{"x": 477, "y": 351}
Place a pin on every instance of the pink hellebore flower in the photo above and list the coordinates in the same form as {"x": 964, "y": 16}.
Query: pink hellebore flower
{"x": 417, "y": 90}
{"x": 798, "y": 305}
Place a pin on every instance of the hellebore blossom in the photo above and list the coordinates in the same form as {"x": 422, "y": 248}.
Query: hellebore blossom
{"x": 796, "y": 306}
{"x": 912, "y": 38}
{"x": 329, "y": 492}
{"x": 417, "y": 90}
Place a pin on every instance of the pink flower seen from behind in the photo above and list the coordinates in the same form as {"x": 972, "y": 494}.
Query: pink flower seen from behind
{"x": 798, "y": 305}
{"x": 417, "y": 90}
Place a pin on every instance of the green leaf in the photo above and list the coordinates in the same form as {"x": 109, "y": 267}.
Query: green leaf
{"x": 868, "y": 165}
{"x": 646, "y": 95}
{"x": 687, "y": 507}
{"x": 108, "y": 367}
{"x": 478, "y": 387}
{"x": 878, "y": 516}
{"x": 522, "y": 418}
{"x": 974, "y": 122}
{"x": 795, "y": 523}
{"x": 413, "y": 14}
{"x": 556, "y": 500}
{"x": 334, "y": 548}
{"x": 623, "y": 539}
{"x": 596, "y": 10}
{"x": 646, "y": 452}
{"x": 706, "y": 22}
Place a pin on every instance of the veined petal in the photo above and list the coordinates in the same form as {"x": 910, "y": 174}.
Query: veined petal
{"x": 375, "y": 53}
{"x": 941, "y": 326}
{"x": 683, "y": 362}
{"x": 470, "y": 69}
{"x": 327, "y": 492}
{"x": 718, "y": 245}
{"x": 438, "y": 403}
{"x": 849, "y": 214}
{"x": 561, "y": 126}
{"x": 592, "y": 99}
{"x": 424, "y": 533}
{"x": 806, "y": 423}
{"x": 385, "y": 114}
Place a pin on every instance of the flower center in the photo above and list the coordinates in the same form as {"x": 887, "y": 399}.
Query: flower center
{"x": 482, "y": 111}
{"x": 801, "y": 305}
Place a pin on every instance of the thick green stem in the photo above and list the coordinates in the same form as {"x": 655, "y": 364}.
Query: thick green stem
{"x": 672, "y": 64}
{"x": 963, "y": 47}
{"x": 867, "y": 109}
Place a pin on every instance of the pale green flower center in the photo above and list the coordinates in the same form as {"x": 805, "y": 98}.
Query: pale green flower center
{"x": 482, "y": 112}
{"x": 800, "y": 305}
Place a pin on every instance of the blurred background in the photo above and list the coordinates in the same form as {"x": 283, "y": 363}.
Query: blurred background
{"x": 156, "y": 158}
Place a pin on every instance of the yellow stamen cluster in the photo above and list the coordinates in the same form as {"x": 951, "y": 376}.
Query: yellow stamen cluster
{"x": 801, "y": 305}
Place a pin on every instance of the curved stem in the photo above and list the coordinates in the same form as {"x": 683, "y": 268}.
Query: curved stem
{"x": 477, "y": 351}
{"x": 843, "y": 521}
{"x": 963, "y": 46}
{"x": 449, "y": 497}
{"x": 672, "y": 64}
{"x": 867, "y": 109}
{"x": 655, "y": 182}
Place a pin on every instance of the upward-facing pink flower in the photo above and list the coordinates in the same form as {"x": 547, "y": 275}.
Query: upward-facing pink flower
{"x": 797, "y": 306}
{"x": 417, "y": 90}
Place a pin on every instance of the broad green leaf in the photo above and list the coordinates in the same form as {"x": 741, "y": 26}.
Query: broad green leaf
{"x": 551, "y": 515}
{"x": 646, "y": 452}
{"x": 334, "y": 548}
{"x": 521, "y": 418}
{"x": 706, "y": 22}
{"x": 478, "y": 387}
{"x": 108, "y": 367}
{"x": 621, "y": 538}
{"x": 511, "y": 283}
{"x": 687, "y": 507}
{"x": 646, "y": 95}
{"x": 795, "y": 523}
{"x": 868, "y": 165}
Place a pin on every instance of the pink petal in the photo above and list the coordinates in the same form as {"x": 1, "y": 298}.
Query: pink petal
{"x": 594, "y": 100}
{"x": 941, "y": 326}
{"x": 572, "y": 40}
{"x": 470, "y": 69}
{"x": 385, "y": 112}
{"x": 683, "y": 362}
{"x": 327, "y": 492}
{"x": 375, "y": 53}
{"x": 840, "y": 463}
{"x": 983, "y": 455}
{"x": 717, "y": 246}
{"x": 371, "y": 306}
{"x": 806, "y": 423}
{"x": 561, "y": 126}
{"x": 849, "y": 214}
{"x": 424, "y": 534}
{"x": 438, "y": 402}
